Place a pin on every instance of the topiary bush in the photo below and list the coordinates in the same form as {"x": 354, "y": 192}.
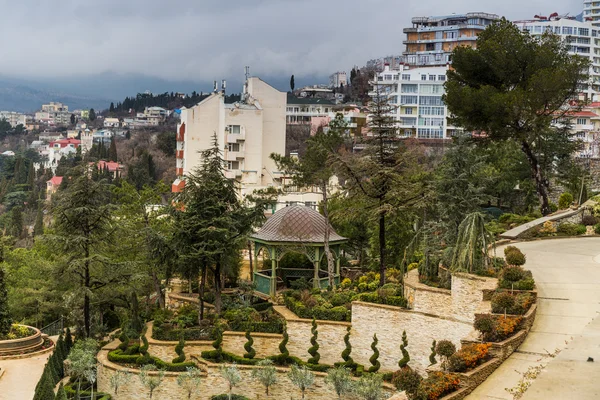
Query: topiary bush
{"x": 405, "y": 356}
{"x": 250, "y": 352}
{"x": 408, "y": 380}
{"x": 375, "y": 364}
{"x": 346, "y": 353}
{"x": 432, "y": 360}
{"x": 314, "y": 349}
{"x": 565, "y": 200}
{"x": 514, "y": 256}
{"x": 180, "y": 353}
{"x": 445, "y": 348}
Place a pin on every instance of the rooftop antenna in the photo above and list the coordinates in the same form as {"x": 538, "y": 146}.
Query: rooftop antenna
{"x": 245, "y": 91}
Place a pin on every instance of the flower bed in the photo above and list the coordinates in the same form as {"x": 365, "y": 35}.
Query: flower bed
{"x": 18, "y": 332}
{"x": 468, "y": 357}
{"x": 25, "y": 340}
{"x": 511, "y": 303}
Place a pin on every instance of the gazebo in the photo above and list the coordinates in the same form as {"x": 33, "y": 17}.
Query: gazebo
{"x": 295, "y": 229}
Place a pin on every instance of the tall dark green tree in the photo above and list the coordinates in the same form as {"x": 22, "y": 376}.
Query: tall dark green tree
{"x": 82, "y": 227}
{"x": 511, "y": 86}
{"x": 73, "y": 119}
{"x": 316, "y": 169}
{"x": 112, "y": 107}
{"x": 387, "y": 177}
{"x": 38, "y": 228}
{"x": 92, "y": 115}
{"x": 16, "y": 222}
{"x": 292, "y": 83}
{"x": 5, "y": 320}
{"x": 112, "y": 151}
{"x": 212, "y": 222}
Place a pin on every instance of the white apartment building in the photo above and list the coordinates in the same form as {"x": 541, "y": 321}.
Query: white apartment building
{"x": 338, "y": 79}
{"x": 583, "y": 39}
{"x": 417, "y": 94}
{"x": 13, "y": 118}
{"x": 248, "y": 132}
{"x": 54, "y": 114}
{"x": 591, "y": 11}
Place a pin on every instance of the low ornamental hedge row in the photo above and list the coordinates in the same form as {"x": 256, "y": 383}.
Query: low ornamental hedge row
{"x": 339, "y": 313}
{"x": 276, "y": 326}
{"x": 71, "y": 393}
{"x": 283, "y": 360}
{"x": 119, "y": 357}
{"x": 226, "y": 397}
{"x": 167, "y": 333}
{"x": 374, "y": 297}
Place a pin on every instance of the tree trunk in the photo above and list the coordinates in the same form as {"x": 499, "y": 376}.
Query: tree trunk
{"x": 201, "y": 290}
{"x": 218, "y": 303}
{"x": 382, "y": 249}
{"x": 541, "y": 183}
{"x": 156, "y": 282}
{"x": 330, "y": 263}
{"x": 250, "y": 260}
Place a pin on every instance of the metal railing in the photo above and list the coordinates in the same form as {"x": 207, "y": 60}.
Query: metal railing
{"x": 54, "y": 328}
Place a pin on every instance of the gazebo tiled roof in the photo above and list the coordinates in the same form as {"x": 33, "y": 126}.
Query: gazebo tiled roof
{"x": 296, "y": 224}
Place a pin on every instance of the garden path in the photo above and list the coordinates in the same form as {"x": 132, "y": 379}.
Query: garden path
{"x": 21, "y": 376}
{"x": 567, "y": 275}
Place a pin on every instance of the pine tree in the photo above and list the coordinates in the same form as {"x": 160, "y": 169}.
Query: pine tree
{"x": 31, "y": 176}
{"x": 92, "y": 115}
{"x": 5, "y": 320}
{"x": 112, "y": 107}
{"x": 45, "y": 388}
{"x": 405, "y": 356}
{"x": 432, "y": 360}
{"x": 73, "y": 119}
{"x": 250, "y": 352}
{"x": 292, "y": 83}
{"x": 112, "y": 152}
{"x": 314, "y": 349}
{"x": 16, "y": 222}
{"x": 68, "y": 341}
{"x": 373, "y": 360}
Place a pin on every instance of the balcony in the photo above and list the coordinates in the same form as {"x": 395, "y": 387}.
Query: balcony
{"x": 233, "y": 155}
{"x": 233, "y": 173}
{"x": 179, "y": 154}
{"x": 235, "y": 137}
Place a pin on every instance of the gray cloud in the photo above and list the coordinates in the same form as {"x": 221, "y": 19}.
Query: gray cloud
{"x": 202, "y": 40}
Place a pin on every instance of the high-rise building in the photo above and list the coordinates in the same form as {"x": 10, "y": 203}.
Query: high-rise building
{"x": 338, "y": 79}
{"x": 591, "y": 11}
{"x": 430, "y": 41}
{"x": 417, "y": 94}
{"x": 583, "y": 39}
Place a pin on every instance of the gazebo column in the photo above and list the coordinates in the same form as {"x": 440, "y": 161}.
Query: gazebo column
{"x": 273, "y": 272}
{"x": 317, "y": 263}
{"x": 255, "y": 255}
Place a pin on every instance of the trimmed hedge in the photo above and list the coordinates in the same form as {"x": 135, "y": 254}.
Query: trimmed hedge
{"x": 97, "y": 395}
{"x": 262, "y": 327}
{"x": 226, "y": 397}
{"x": 281, "y": 360}
{"x": 117, "y": 356}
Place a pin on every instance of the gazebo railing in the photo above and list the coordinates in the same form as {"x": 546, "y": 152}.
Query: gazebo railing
{"x": 324, "y": 282}
{"x": 263, "y": 282}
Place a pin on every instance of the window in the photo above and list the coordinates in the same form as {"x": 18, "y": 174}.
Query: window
{"x": 409, "y": 88}
{"x": 388, "y": 77}
{"x": 408, "y": 110}
{"x": 441, "y": 78}
{"x": 432, "y": 77}
{"x": 451, "y": 35}
{"x": 581, "y": 121}
{"x": 233, "y": 165}
{"x": 233, "y": 147}
{"x": 431, "y": 101}
{"x": 234, "y": 129}
{"x": 408, "y": 99}
{"x": 431, "y": 122}
{"x": 438, "y": 57}
{"x": 408, "y": 121}
{"x": 430, "y": 133}
{"x": 423, "y": 77}
{"x": 432, "y": 89}
{"x": 406, "y": 77}
{"x": 427, "y": 110}
{"x": 584, "y": 32}
{"x": 567, "y": 30}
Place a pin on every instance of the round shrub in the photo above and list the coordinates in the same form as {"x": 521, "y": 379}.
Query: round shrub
{"x": 597, "y": 229}
{"x": 589, "y": 220}
{"x": 445, "y": 348}
{"x": 514, "y": 257}
{"x": 486, "y": 324}
{"x": 503, "y": 302}
{"x": 565, "y": 200}
{"x": 568, "y": 229}
{"x": 513, "y": 273}
{"x": 408, "y": 380}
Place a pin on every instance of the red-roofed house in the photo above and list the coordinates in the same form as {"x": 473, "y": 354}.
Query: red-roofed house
{"x": 62, "y": 143}
{"x": 52, "y": 186}
{"x": 585, "y": 126}
{"x": 113, "y": 167}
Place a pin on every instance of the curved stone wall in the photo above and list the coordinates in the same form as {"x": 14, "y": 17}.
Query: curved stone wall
{"x": 26, "y": 344}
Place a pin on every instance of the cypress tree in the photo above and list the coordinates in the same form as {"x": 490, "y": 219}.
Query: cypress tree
{"x": 31, "y": 176}
{"x": 373, "y": 360}
{"x": 112, "y": 152}
{"x": 5, "y": 320}
{"x": 61, "y": 394}
{"x": 314, "y": 349}
{"x": 346, "y": 353}
{"x": 432, "y": 360}
{"x": 38, "y": 228}
{"x": 68, "y": 341}
{"x": 250, "y": 352}
{"x": 405, "y": 356}
{"x": 45, "y": 386}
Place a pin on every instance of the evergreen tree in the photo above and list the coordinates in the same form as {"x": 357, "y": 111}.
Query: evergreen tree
{"x": 283, "y": 344}
{"x": 489, "y": 89}
{"x": 405, "y": 356}
{"x": 16, "y": 222}
{"x": 314, "y": 349}
{"x": 292, "y": 83}
{"x": 92, "y": 115}
{"x": 432, "y": 360}
{"x": 112, "y": 107}
{"x": 250, "y": 352}
{"x": 82, "y": 223}
{"x": 5, "y": 320}
{"x": 68, "y": 341}
{"x": 112, "y": 152}
{"x": 45, "y": 389}
{"x": 38, "y": 228}
{"x": 346, "y": 353}
{"x": 375, "y": 365}
{"x": 61, "y": 394}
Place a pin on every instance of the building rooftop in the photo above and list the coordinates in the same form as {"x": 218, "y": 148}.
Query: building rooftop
{"x": 56, "y": 180}
{"x": 291, "y": 99}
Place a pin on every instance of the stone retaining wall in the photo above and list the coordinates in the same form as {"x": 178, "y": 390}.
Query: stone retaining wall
{"x": 388, "y": 323}
{"x": 467, "y": 295}
{"x": 471, "y": 379}
{"x": 27, "y": 344}
{"x": 212, "y": 383}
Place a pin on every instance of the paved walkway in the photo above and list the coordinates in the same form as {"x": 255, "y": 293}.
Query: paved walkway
{"x": 21, "y": 376}
{"x": 515, "y": 232}
{"x": 567, "y": 274}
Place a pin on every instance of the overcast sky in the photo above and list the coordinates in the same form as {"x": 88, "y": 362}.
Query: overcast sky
{"x": 204, "y": 40}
